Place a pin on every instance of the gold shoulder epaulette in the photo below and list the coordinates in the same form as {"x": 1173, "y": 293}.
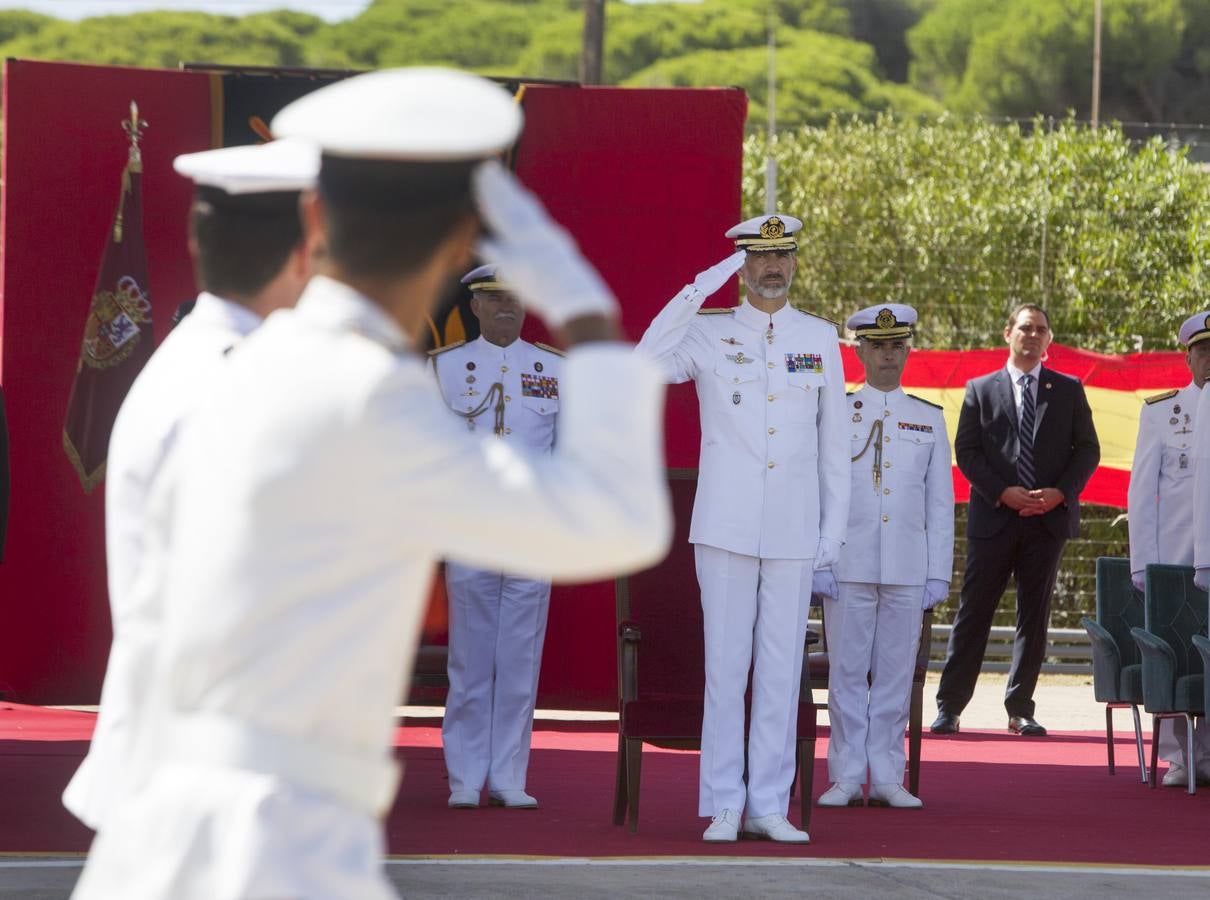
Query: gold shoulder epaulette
{"x": 549, "y": 349}
{"x": 1167, "y": 395}
{"x": 929, "y": 402}
{"x": 439, "y": 350}
{"x": 716, "y": 310}
{"x": 817, "y": 316}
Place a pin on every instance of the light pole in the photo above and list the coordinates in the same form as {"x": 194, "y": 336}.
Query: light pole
{"x": 1096, "y": 63}
{"x": 770, "y": 137}
{"x": 593, "y": 46}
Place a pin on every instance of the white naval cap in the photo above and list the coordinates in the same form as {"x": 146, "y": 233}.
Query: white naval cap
{"x": 414, "y": 114}
{"x": 766, "y": 233}
{"x": 279, "y": 166}
{"x": 1195, "y": 329}
{"x": 884, "y": 322}
{"x": 483, "y": 278}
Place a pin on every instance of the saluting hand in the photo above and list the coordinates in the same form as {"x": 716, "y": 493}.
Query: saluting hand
{"x": 710, "y": 280}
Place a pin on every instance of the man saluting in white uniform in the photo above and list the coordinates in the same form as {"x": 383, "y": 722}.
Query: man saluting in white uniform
{"x": 1160, "y": 503}
{"x": 772, "y": 503}
{"x": 505, "y": 388}
{"x": 896, "y": 562}
{"x": 325, "y": 477}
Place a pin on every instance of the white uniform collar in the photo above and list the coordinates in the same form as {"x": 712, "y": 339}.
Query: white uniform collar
{"x": 214, "y": 310}
{"x": 334, "y": 303}
{"x": 888, "y": 398}
{"x": 747, "y": 314}
{"x": 486, "y": 349}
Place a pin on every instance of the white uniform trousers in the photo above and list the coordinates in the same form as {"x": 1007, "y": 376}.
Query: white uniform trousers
{"x": 497, "y": 626}
{"x": 873, "y": 631}
{"x": 755, "y": 614}
{"x": 1172, "y": 741}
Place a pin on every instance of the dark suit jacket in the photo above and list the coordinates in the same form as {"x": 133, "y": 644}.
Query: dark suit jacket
{"x": 1066, "y": 450}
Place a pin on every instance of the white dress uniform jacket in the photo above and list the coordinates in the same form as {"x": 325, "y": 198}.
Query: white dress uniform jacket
{"x": 1160, "y": 498}
{"x": 901, "y": 529}
{"x": 325, "y": 478}
{"x": 497, "y": 620}
{"x": 900, "y": 534}
{"x": 774, "y": 468}
{"x": 171, "y": 386}
{"x": 1201, "y": 486}
{"x": 530, "y": 377}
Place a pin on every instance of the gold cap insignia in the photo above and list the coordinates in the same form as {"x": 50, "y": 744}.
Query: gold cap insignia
{"x": 885, "y": 319}
{"x": 773, "y": 228}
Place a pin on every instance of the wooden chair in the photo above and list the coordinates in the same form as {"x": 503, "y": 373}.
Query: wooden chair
{"x": 661, "y": 665}
{"x": 816, "y": 672}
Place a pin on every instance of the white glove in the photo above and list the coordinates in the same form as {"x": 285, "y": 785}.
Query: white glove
{"x": 1136, "y": 578}
{"x": 535, "y": 255}
{"x": 823, "y": 583}
{"x": 935, "y": 590}
{"x": 827, "y": 553}
{"x": 710, "y": 280}
{"x": 1201, "y": 578}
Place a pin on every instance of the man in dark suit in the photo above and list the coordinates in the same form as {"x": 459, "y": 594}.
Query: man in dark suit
{"x": 1027, "y": 444}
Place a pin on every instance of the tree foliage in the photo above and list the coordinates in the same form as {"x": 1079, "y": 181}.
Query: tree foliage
{"x": 965, "y": 219}
{"x": 1035, "y": 56}
{"x": 818, "y": 75}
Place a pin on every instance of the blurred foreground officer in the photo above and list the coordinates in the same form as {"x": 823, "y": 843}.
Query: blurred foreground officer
{"x": 772, "y": 502}
{"x": 498, "y": 385}
{"x": 250, "y": 259}
{"x": 325, "y": 477}
{"x": 1161, "y": 509}
{"x": 895, "y": 564}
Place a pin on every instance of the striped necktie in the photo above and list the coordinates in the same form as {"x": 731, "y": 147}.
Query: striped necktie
{"x": 1025, "y": 458}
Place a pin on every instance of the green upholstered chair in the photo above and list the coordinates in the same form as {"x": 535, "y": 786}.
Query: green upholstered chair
{"x": 1117, "y": 668}
{"x": 1173, "y": 680}
{"x": 1202, "y": 645}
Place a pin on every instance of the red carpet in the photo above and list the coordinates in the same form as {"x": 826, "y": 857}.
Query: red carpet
{"x": 989, "y": 796}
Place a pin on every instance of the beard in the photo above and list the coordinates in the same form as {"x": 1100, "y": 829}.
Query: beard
{"x": 768, "y": 291}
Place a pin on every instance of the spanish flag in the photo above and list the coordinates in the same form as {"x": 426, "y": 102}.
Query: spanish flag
{"x": 1116, "y": 386}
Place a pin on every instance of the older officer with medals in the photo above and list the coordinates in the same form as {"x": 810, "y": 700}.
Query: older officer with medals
{"x": 896, "y": 563}
{"x": 1161, "y": 509}
{"x": 772, "y": 503}
{"x": 503, "y": 386}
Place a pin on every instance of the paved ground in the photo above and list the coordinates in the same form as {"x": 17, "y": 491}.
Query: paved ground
{"x": 1064, "y": 703}
{"x": 859, "y": 880}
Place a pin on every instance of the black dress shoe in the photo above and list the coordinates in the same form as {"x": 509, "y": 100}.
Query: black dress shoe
{"x": 1026, "y": 725}
{"x": 945, "y": 723}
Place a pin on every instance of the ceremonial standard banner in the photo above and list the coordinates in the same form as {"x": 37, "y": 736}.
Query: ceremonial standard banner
{"x": 117, "y": 333}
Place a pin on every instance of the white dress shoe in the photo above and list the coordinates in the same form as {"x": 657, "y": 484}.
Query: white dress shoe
{"x": 1176, "y": 776}
{"x": 464, "y": 800}
{"x": 511, "y": 799}
{"x": 895, "y": 795}
{"x": 723, "y": 828}
{"x": 842, "y": 794}
{"x": 774, "y": 828}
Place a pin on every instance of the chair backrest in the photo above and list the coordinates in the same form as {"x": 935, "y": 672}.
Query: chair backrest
{"x": 665, "y": 603}
{"x": 1175, "y": 610}
{"x": 1119, "y": 605}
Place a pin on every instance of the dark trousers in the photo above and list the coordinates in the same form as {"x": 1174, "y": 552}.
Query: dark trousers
{"x": 1029, "y": 552}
